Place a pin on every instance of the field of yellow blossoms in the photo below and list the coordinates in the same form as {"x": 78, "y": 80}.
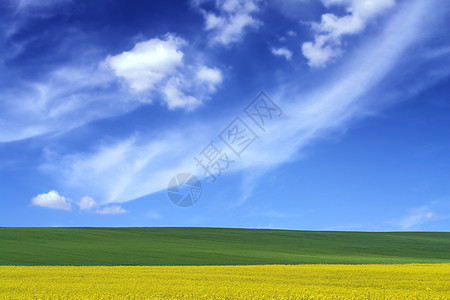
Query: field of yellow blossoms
{"x": 413, "y": 281}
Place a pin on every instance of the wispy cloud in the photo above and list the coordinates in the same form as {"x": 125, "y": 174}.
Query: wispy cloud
{"x": 111, "y": 210}
{"x": 23, "y": 4}
{"x": 286, "y": 53}
{"x": 51, "y": 95}
{"x": 70, "y": 96}
{"x": 86, "y": 85}
{"x": 332, "y": 29}
{"x": 231, "y": 20}
{"x": 88, "y": 204}
{"x": 417, "y": 216}
{"x": 132, "y": 168}
{"x": 424, "y": 216}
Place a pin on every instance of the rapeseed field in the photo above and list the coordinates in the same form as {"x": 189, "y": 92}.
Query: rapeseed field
{"x": 409, "y": 281}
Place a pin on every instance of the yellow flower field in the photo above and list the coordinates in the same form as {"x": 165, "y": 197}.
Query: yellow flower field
{"x": 414, "y": 281}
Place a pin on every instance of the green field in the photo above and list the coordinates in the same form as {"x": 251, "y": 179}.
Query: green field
{"x": 216, "y": 246}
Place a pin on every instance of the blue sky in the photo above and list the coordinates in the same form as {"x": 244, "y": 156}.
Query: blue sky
{"x": 102, "y": 103}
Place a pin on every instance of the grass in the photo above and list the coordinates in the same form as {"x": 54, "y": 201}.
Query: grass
{"x": 216, "y": 246}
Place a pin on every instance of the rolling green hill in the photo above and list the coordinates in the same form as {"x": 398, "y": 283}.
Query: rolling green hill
{"x": 216, "y": 246}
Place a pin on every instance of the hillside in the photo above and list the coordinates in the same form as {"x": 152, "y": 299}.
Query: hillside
{"x": 216, "y": 246}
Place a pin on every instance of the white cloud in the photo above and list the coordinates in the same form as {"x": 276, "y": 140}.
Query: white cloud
{"x": 140, "y": 165}
{"x": 174, "y": 95}
{"x": 212, "y": 77}
{"x": 330, "y": 31}
{"x": 282, "y": 52}
{"x": 77, "y": 93}
{"x": 65, "y": 98}
{"x": 318, "y": 53}
{"x": 132, "y": 168}
{"x": 157, "y": 65}
{"x": 417, "y": 217}
{"x": 233, "y": 19}
{"x": 111, "y": 210}
{"x": 52, "y": 200}
{"x": 55, "y": 201}
{"x": 148, "y": 63}
{"x": 87, "y": 203}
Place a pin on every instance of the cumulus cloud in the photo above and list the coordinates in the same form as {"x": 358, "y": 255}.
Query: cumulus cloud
{"x": 124, "y": 170}
{"x": 157, "y": 65}
{"x": 174, "y": 95}
{"x": 87, "y": 203}
{"x": 331, "y": 30}
{"x": 148, "y": 63}
{"x": 55, "y": 201}
{"x": 212, "y": 77}
{"x": 52, "y": 200}
{"x": 282, "y": 52}
{"x": 231, "y": 20}
{"x": 74, "y": 94}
